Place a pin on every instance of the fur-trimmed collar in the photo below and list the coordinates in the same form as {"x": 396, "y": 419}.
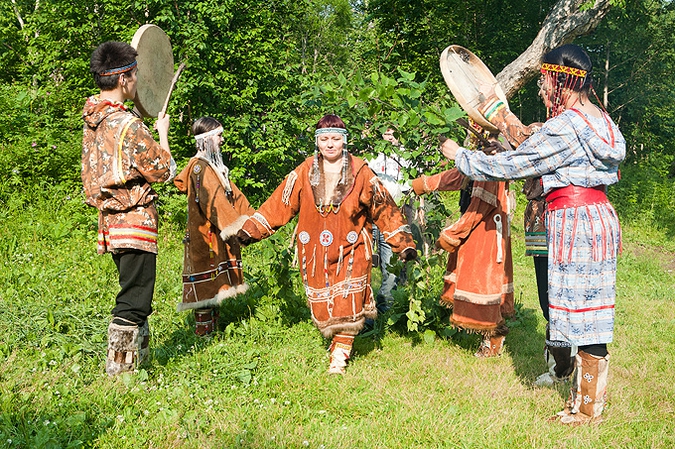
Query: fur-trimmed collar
{"x": 341, "y": 190}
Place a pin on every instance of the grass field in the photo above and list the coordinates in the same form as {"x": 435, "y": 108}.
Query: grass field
{"x": 261, "y": 381}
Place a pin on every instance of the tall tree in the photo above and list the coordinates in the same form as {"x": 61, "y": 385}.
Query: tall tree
{"x": 635, "y": 74}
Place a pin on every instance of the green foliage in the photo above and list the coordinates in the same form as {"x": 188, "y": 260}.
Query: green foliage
{"x": 417, "y": 32}
{"x": 35, "y": 150}
{"x": 416, "y": 305}
{"x": 635, "y": 70}
{"x": 275, "y": 287}
{"x": 645, "y": 197}
{"x": 268, "y": 70}
{"x": 369, "y": 105}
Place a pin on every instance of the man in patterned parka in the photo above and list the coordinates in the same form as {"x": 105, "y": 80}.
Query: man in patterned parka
{"x": 120, "y": 159}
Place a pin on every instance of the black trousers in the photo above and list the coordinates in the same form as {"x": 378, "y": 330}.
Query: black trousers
{"x": 137, "y": 271}
{"x": 541, "y": 274}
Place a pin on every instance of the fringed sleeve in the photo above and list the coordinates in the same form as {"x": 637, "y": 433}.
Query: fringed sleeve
{"x": 279, "y": 209}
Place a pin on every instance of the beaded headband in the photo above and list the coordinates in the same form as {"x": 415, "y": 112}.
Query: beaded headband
{"x": 561, "y": 90}
{"x": 546, "y": 67}
{"x": 330, "y": 130}
{"x": 213, "y": 132}
{"x": 118, "y": 70}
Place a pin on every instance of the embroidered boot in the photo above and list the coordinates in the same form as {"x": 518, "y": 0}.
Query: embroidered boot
{"x": 204, "y": 321}
{"x": 588, "y": 392}
{"x": 339, "y": 354}
{"x": 126, "y": 345}
{"x": 491, "y": 347}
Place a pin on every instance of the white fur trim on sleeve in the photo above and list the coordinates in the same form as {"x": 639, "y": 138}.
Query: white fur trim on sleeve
{"x": 234, "y": 227}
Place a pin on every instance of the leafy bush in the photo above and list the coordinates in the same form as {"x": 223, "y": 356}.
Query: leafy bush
{"x": 645, "y": 195}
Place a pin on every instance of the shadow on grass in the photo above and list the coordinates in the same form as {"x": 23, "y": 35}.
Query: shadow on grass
{"x": 525, "y": 345}
{"x": 56, "y": 426}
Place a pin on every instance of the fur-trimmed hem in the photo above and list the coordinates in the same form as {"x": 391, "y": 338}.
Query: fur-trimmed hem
{"x": 350, "y": 328}
{"x": 498, "y": 330}
{"x": 447, "y": 302}
{"x": 234, "y": 227}
{"x": 215, "y": 301}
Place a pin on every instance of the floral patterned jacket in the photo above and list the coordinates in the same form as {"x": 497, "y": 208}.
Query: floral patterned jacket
{"x": 120, "y": 159}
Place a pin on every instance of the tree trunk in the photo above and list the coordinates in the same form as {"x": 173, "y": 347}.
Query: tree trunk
{"x": 562, "y": 25}
{"x": 605, "y": 88}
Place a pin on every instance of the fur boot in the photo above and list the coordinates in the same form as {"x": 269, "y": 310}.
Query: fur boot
{"x": 491, "y": 346}
{"x": 128, "y": 347}
{"x": 205, "y": 321}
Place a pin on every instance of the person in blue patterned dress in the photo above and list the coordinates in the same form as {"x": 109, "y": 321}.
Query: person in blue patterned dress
{"x": 577, "y": 154}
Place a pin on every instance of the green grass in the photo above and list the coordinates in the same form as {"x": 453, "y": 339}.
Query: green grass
{"x": 261, "y": 381}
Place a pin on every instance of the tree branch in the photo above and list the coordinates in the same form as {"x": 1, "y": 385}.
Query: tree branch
{"x": 562, "y": 25}
{"x": 17, "y": 13}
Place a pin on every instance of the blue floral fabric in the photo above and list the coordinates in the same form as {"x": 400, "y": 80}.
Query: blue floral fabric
{"x": 583, "y": 241}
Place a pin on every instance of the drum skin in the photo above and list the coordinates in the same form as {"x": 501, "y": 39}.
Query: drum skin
{"x": 155, "y": 69}
{"x": 464, "y": 73}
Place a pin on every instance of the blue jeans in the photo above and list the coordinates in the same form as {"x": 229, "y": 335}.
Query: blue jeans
{"x": 388, "y": 279}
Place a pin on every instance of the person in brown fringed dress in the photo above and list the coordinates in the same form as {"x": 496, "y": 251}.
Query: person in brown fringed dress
{"x": 337, "y": 199}
{"x": 478, "y": 282}
{"x": 212, "y": 269}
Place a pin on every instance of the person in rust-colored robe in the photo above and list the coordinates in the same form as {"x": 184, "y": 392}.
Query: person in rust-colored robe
{"x": 337, "y": 199}
{"x": 212, "y": 269}
{"x": 478, "y": 283}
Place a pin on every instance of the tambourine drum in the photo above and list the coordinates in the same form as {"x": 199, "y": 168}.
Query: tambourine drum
{"x": 155, "y": 69}
{"x": 464, "y": 73}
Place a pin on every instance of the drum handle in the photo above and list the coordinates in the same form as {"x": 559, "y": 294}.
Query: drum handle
{"x": 173, "y": 83}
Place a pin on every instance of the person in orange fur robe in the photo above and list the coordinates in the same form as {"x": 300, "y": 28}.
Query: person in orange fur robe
{"x": 337, "y": 199}
{"x": 478, "y": 282}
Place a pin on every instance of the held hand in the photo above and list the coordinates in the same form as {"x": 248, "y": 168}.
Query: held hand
{"x": 494, "y": 148}
{"x": 449, "y": 149}
{"x": 162, "y": 124}
{"x": 408, "y": 254}
{"x": 243, "y": 238}
{"x": 447, "y": 243}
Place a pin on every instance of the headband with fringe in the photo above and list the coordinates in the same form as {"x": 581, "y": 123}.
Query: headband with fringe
{"x": 213, "y": 132}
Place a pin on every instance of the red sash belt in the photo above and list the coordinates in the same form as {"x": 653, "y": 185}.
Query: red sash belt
{"x": 573, "y": 196}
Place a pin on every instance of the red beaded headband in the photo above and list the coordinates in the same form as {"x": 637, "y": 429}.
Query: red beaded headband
{"x": 546, "y": 67}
